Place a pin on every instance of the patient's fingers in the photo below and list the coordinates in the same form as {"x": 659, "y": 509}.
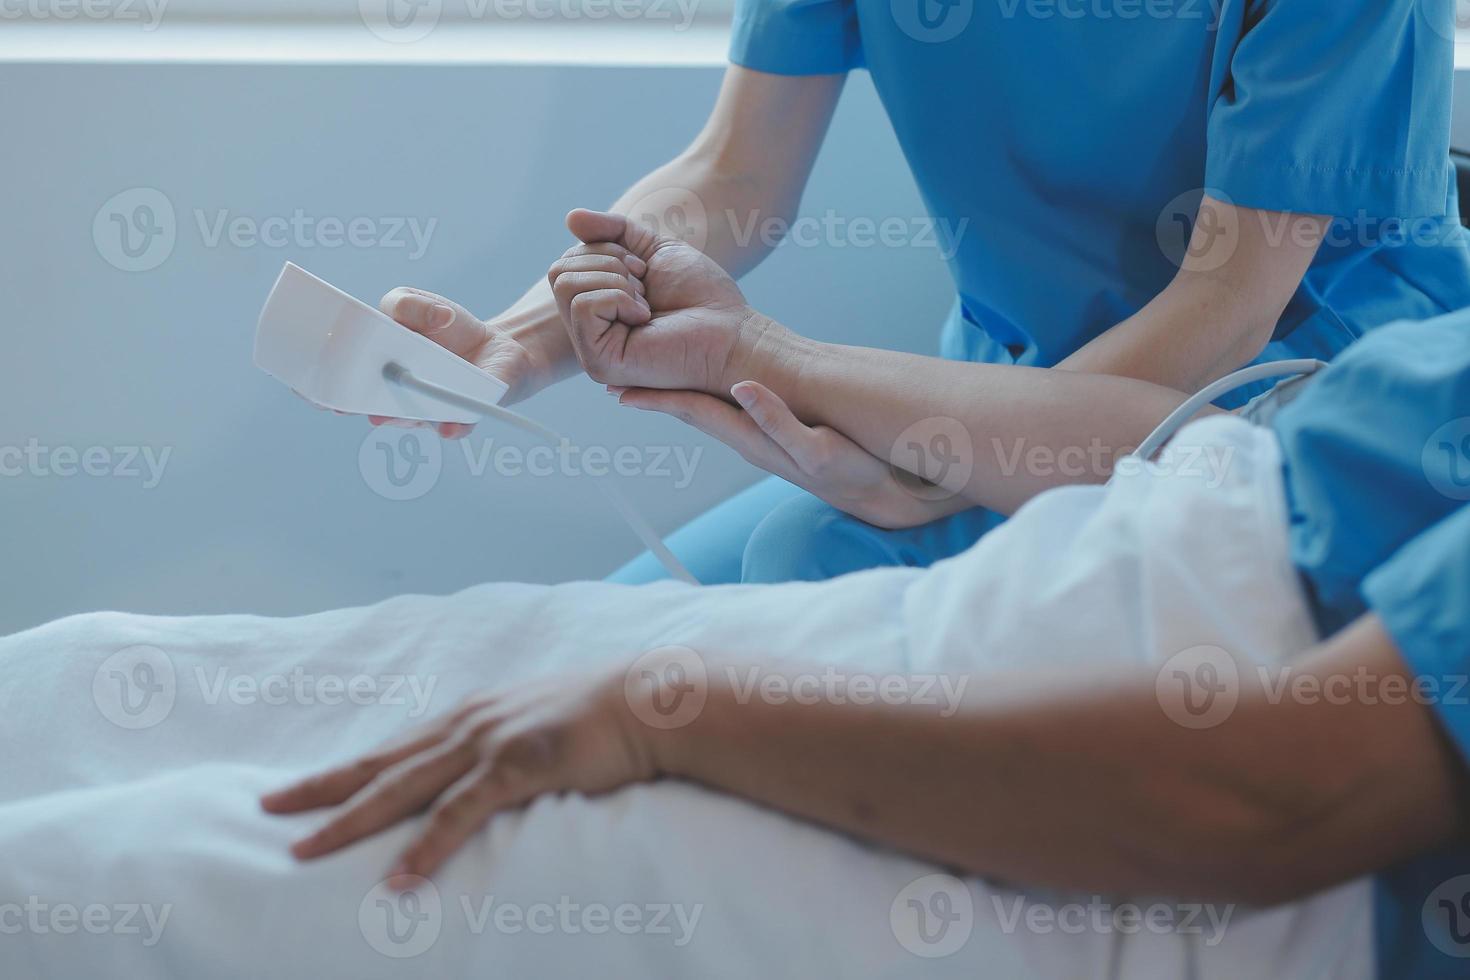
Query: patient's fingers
{"x": 460, "y": 812}
{"x": 339, "y": 785}
{"x": 396, "y": 793}
{"x": 606, "y": 226}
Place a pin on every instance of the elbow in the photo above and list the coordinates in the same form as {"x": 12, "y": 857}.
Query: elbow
{"x": 1248, "y": 848}
{"x": 1252, "y": 336}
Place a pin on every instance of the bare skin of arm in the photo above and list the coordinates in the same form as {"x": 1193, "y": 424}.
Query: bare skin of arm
{"x": 1079, "y": 782}
{"x": 753, "y": 156}
{"x": 832, "y": 418}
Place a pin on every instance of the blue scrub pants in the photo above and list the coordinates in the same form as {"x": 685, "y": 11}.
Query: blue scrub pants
{"x": 777, "y": 532}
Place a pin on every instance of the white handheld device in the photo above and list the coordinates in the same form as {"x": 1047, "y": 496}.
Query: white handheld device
{"x": 332, "y": 347}
{"x": 340, "y": 353}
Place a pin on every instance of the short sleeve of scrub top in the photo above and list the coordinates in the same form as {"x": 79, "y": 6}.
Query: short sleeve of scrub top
{"x": 1314, "y": 115}
{"x": 796, "y": 37}
{"x": 1422, "y": 596}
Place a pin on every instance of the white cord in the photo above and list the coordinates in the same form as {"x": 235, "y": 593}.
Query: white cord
{"x": 1206, "y": 395}
{"x": 398, "y": 374}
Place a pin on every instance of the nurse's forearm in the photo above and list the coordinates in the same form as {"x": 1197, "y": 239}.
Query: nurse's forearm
{"x": 1219, "y": 312}
{"x": 1022, "y": 430}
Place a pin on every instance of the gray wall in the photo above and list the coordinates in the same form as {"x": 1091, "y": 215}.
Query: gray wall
{"x": 262, "y": 506}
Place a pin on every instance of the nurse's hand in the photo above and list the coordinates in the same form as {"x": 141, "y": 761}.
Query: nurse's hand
{"x": 686, "y": 325}
{"x": 497, "y": 752}
{"x": 487, "y": 345}
{"x": 818, "y": 459}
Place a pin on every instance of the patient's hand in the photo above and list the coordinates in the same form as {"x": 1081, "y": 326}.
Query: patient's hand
{"x": 818, "y": 459}
{"x": 498, "y": 751}
{"x": 689, "y": 327}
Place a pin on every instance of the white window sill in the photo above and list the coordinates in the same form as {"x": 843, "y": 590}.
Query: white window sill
{"x": 700, "y": 43}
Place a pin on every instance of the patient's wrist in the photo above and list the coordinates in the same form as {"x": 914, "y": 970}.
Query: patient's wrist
{"x": 769, "y": 353}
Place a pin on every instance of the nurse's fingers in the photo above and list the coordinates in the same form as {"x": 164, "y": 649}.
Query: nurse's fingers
{"x": 717, "y": 418}
{"x": 776, "y": 420}
{"x": 441, "y": 320}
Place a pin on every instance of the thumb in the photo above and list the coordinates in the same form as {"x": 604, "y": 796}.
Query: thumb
{"x": 776, "y": 420}
{"x": 596, "y": 226}
{"x": 591, "y": 227}
{"x": 443, "y": 321}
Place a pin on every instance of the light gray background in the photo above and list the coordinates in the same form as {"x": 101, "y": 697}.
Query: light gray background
{"x": 263, "y": 507}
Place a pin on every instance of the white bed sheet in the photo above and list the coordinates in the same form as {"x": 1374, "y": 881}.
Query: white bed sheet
{"x": 135, "y": 847}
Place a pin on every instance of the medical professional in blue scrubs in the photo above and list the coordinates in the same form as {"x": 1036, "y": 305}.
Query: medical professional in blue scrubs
{"x": 1163, "y": 191}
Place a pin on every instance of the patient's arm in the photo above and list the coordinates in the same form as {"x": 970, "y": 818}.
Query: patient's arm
{"x": 992, "y": 435}
{"x": 1085, "y": 782}
{"x": 1069, "y": 781}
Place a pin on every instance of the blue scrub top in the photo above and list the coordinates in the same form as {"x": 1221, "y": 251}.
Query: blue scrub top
{"x": 1076, "y": 136}
{"x": 1377, "y": 453}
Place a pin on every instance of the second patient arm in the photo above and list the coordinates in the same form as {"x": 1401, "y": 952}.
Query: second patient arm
{"x": 1073, "y": 780}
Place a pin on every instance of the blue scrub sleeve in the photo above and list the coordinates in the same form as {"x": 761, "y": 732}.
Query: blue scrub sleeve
{"x": 1422, "y": 595}
{"x": 796, "y": 37}
{"x": 1337, "y": 107}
